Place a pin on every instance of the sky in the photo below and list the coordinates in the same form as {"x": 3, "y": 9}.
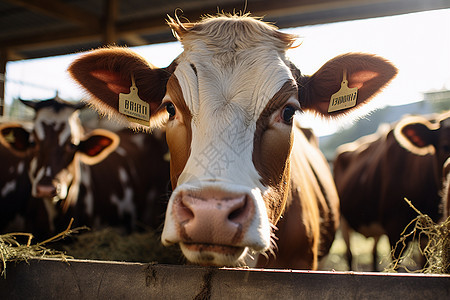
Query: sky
{"x": 417, "y": 44}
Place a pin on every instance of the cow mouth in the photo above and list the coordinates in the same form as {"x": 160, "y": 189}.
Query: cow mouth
{"x": 227, "y": 250}
{"x": 213, "y": 254}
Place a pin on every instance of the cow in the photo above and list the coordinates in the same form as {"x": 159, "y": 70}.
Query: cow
{"x": 94, "y": 177}
{"x": 375, "y": 173}
{"x": 15, "y": 188}
{"x": 247, "y": 183}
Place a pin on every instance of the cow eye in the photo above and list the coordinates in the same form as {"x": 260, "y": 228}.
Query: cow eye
{"x": 288, "y": 113}
{"x": 170, "y": 109}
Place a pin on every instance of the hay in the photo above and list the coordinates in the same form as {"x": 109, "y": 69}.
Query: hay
{"x": 437, "y": 249}
{"x": 112, "y": 244}
{"x": 106, "y": 244}
{"x": 11, "y": 250}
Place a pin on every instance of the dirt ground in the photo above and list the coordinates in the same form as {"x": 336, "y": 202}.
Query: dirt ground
{"x": 362, "y": 254}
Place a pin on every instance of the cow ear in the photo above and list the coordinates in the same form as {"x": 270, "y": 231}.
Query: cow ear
{"x": 97, "y": 145}
{"x": 15, "y": 138}
{"x": 368, "y": 73}
{"x": 417, "y": 135}
{"x": 29, "y": 103}
{"x": 105, "y": 73}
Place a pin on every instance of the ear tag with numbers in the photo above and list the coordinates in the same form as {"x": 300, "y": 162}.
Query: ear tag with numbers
{"x": 344, "y": 98}
{"x": 133, "y": 107}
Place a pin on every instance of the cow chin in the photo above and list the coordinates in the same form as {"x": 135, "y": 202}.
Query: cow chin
{"x": 214, "y": 255}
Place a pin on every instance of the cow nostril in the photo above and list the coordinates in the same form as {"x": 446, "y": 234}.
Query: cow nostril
{"x": 184, "y": 213}
{"x": 239, "y": 213}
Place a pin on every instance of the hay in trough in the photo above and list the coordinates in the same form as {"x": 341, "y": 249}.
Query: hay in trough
{"x": 11, "y": 250}
{"x": 437, "y": 249}
{"x": 112, "y": 244}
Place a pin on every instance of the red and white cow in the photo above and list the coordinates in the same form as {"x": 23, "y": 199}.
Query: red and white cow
{"x": 245, "y": 177}
{"x": 97, "y": 177}
{"x": 375, "y": 173}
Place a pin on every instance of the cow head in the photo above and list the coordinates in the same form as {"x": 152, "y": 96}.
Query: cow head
{"x": 422, "y": 136}
{"x": 55, "y": 145}
{"x": 227, "y": 103}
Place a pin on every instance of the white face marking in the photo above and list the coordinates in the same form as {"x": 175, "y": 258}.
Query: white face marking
{"x": 225, "y": 105}
{"x": 66, "y": 119}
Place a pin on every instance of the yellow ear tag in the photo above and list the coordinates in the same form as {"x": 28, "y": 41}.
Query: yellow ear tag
{"x": 133, "y": 107}
{"x": 344, "y": 98}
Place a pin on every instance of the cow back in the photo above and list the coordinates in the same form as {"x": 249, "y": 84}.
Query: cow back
{"x": 374, "y": 175}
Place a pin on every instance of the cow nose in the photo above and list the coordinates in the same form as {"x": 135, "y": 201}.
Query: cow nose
{"x": 45, "y": 191}
{"x": 213, "y": 220}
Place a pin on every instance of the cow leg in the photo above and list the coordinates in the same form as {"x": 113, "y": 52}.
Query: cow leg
{"x": 346, "y": 230}
{"x": 375, "y": 254}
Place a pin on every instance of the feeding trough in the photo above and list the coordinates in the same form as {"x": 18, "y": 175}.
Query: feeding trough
{"x": 82, "y": 279}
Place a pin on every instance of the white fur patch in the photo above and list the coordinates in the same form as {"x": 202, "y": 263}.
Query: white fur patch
{"x": 8, "y": 187}
{"x": 125, "y": 205}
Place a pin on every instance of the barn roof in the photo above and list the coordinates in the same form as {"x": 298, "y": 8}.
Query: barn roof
{"x": 41, "y": 28}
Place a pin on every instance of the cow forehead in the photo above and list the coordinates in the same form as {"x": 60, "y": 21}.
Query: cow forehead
{"x": 246, "y": 79}
{"x": 65, "y": 123}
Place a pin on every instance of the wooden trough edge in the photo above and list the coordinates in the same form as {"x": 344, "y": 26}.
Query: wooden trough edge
{"x": 82, "y": 279}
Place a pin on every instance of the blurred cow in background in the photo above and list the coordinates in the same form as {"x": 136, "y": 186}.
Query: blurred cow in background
{"x": 375, "y": 173}
{"x": 15, "y": 188}
{"x": 95, "y": 177}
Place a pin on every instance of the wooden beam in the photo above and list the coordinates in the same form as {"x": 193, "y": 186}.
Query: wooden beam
{"x": 287, "y": 13}
{"x": 3, "y": 61}
{"x": 111, "y": 8}
{"x": 61, "y": 10}
{"x": 134, "y": 40}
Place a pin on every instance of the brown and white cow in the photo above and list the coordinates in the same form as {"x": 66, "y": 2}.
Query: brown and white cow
{"x": 245, "y": 177}
{"x": 95, "y": 177}
{"x": 375, "y": 173}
